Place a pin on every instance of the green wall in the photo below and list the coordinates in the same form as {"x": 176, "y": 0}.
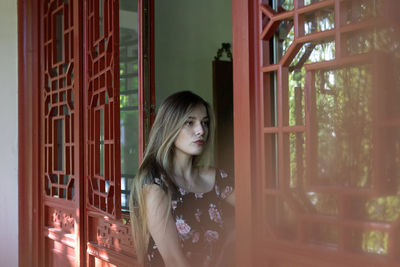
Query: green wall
{"x": 188, "y": 35}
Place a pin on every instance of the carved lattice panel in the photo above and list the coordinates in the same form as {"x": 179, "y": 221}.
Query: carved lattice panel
{"x": 58, "y": 99}
{"x": 329, "y": 132}
{"x": 102, "y": 107}
{"x": 59, "y": 142}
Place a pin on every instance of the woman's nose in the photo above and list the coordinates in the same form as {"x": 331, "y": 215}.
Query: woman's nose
{"x": 199, "y": 129}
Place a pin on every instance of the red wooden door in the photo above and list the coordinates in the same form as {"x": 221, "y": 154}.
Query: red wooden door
{"x": 102, "y": 134}
{"x": 323, "y": 152}
{"x": 61, "y": 134}
{"x": 113, "y": 101}
{"x": 82, "y": 203}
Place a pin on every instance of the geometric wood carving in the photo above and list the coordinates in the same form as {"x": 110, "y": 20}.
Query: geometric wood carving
{"x": 58, "y": 100}
{"x": 102, "y": 125}
{"x": 328, "y": 182}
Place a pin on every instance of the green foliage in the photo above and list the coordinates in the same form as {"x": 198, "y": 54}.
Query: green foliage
{"x": 375, "y": 242}
{"x": 344, "y": 126}
{"x": 383, "y": 209}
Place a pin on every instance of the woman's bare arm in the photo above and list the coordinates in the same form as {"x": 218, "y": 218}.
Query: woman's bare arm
{"x": 162, "y": 228}
{"x": 231, "y": 199}
{"x": 228, "y": 247}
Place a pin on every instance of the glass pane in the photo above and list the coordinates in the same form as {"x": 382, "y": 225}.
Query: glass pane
{"x": 372, "y": 39}
{"x": 378, "y": 209}
{"x": 101, "y": 17}
{"x": 358, "y": 10}
{"x": 281, "y": 40}
{"x": 60, "y": 36}
{"x": 308, "y": 2}
{"x": 270, "y": 114}
{"x": 344, "y": 126}
{"x": 296, "y": 97}
{"x": 129, "y": 120}
{"x": 308, "y": 53}
{"x": 323, "y": 234}
{"x": 323, "y": 204}
{"x": 271, "y": 160}
{"x": 313, "y": 52}
{"x": 368, "y": 241}
{"x": 391, "y": 159}
{"x": 396, "y": 245}
{"x": 296, "y": 158}
{"x": 59, "y": 132}
{"x": 280, "y": 217}
{"x": 318, "y": 21}
{"x": 282, "y": 5}
{"x": 101, "y": 142}
{"x": 129, "y": 152}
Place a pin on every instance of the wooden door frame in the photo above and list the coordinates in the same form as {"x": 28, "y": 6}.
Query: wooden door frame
{"x": 245, "y": 82}
{"x": 28, "y": 133}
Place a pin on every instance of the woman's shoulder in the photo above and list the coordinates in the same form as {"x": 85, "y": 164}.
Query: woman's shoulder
{"x": 208, "y": 172}
{"x": 214, "y": 172}
{"x": 153, "y": 190}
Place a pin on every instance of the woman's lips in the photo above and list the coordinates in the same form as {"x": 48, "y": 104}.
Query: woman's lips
{"x": 199, "y": 142}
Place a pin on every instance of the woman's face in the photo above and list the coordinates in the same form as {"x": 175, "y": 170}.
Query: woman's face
{"x": 193, "y": 136}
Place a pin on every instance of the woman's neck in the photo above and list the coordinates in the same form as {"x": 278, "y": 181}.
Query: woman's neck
{"x": 183, "y": 168}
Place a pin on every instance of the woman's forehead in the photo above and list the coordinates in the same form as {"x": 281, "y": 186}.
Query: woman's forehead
{"x": 198, "y": 111}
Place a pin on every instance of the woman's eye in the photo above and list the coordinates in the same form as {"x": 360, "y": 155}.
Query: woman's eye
{"x": 189, "y": 123}
{"x": 205, "y": 123}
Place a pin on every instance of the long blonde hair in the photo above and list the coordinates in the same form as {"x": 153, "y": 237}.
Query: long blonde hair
{"x": 157, "y": 160}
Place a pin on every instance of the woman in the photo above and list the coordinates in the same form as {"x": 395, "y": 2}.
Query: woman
{"x": 178, "y": 202}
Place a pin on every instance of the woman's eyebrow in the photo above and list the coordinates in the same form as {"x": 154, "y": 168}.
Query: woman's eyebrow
{"x": 194, "y": 117}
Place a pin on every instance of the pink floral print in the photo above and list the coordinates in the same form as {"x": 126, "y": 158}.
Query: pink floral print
{"x": 174, "y": 204}
{"x": 182, "y": 191}
{"x": 196, "y": 237}
{"x": 182, "y": 227}
{"x": 214, "y": 214}
{"x": 227, "y": 191}
{"x": 217, "y": 190}
{"x": 211, "y": 235}
{"x": 197, "y": 215}
{"x": 223, "y": 174}
{"x": 200, "y": 236}
{"x": 198, "y": 195}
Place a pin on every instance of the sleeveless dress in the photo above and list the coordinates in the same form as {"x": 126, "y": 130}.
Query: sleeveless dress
{"x": 201, "y": 221}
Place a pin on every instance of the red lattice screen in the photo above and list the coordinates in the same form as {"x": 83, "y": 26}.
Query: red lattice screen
{"x": 102, "y": 125}
{"x": 59, "y": 139}
{"x": 58, "y": 100}
{"x": 329, "y": 134}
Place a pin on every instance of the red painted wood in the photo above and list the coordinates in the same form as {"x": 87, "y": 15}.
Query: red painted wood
{"x": 60, "y": 98}
{"x": 146, "y": 72}
{"x": 243, "y": 101}
{"x": 141, "y": 75}
{"x": 41, "y": 243}
{"x": 152, "y": 92}
{"x": 80, "y": 244}
{"x": 28, "y": 156}
{"x": 102, "y": 95}
{"x": 298, "y": 250}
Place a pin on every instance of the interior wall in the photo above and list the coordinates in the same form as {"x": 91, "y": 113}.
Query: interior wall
{"x": 188, "y": 34}
{"x": 8, "y": 134}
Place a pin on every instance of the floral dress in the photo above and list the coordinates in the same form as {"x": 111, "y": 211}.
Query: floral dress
{"x": 201, "y": 221}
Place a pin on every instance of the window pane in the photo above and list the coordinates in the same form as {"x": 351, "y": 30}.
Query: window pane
{"x": 311, "y": 52}
{"x": 344, "y": 126}
{"x": 319, "y": 21}
{"x": 129, "y": 122}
